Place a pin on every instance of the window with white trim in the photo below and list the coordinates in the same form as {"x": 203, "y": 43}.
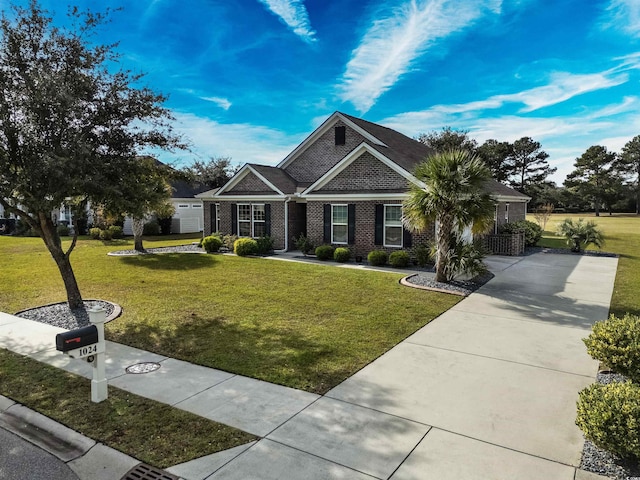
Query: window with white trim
{"x": 217, "y": 225}
{"x": 196, "y": 205}
{"x": 251, "y": 220}
{"x": 506, "y": 213}
{"x": 339, "y": 224}
{"x": 393, "y": 225}
{"x": 183, "y": 205}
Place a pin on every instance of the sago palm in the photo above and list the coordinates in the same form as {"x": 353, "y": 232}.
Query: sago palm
{"x": 454, "y": 197}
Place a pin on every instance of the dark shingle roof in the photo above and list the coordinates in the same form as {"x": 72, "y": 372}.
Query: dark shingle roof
{"x": 497, "y": 188}
{"x": 277, "y": 177}
{"x": 404, "y": 151}
{"x": 183, "y": 189}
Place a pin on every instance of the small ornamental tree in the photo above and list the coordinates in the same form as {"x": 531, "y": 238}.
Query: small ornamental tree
{"x": 70, "y": 124}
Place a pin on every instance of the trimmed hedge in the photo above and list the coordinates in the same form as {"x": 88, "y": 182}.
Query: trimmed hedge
{"x": 609, "y": 416}
{"x": 211, "y": 244}
{"x": 245, "y": 246}
{"x": 377, "y": 258}
{"x": 342, "y": 254}
{"x": 399, "y": 259}
{"x": 116, "y": 231}
{"x": 324, "y": 252}
{"x": 616, "y": 343}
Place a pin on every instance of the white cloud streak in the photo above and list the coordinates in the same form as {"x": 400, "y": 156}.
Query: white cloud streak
{"x": 221, "y": 102}
{"x": 623, "y": 15}
{"x": 394, "y": 41}
{"x": 294, "y": 14}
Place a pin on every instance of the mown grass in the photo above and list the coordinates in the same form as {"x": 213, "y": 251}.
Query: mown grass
{"x": 150, "y": 431}
{"x": 622, "y": 236}
{"x": 300, "y": 325}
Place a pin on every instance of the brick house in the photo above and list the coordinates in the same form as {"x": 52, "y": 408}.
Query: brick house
{"x": 343, "y": 185}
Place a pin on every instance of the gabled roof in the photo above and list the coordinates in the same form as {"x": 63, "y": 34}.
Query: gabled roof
{"x": 498, "y": 189}
{"x": 278, "y": 177}
{"x": 184, "y": 189}
{"x": 402, "y": 150}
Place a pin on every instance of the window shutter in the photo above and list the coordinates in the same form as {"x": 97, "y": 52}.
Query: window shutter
{"x": 212, "y": 217}
{"x": 379, "y": 236}
{"x": 327, "y": 223}
{"x": 406, "y": 238}
{"x": 267, "y": 219}
{"x": 351, "y": 219}
{"x": 234, "y": 219}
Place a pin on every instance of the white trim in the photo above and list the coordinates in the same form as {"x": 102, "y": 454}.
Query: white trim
{"x": 384, "y": 226}
{"x": 242, "y": 173}
{"x": 356, "y": 196}
{"x": 354, "y": 155}
{"x": 249, "y": 198}
{"x": 321, "y": 130}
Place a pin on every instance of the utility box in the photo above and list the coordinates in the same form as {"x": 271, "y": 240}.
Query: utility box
{"x": 75, "y": 339}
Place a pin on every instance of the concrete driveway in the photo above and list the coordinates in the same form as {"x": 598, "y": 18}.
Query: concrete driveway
{"x": 485, "y": 391}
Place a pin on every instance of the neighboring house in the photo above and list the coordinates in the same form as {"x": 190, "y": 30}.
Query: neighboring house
{"x": 343, "y": 185}
{"x": 188, "y": 216}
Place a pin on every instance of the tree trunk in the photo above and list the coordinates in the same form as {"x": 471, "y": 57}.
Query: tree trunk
{"x": 51, "y": 239}
{"x": 137, "y": 225}
{"x": 443, "y": 238}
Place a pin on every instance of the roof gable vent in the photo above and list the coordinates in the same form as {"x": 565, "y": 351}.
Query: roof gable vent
{"x": 340, "y": 134}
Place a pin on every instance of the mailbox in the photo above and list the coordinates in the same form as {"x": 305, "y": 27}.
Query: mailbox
{"x": 74, "y": 339}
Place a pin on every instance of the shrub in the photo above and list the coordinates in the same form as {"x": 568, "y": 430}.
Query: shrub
{"x": 532, "y": 231}
{"x": 211, "y": 244}
{"x": 303, "y": 244}
{"x": 399, "y": 259}
{"x": 324, "y": 252}
{"x": 63, "y": 230}
{"x": 265, "y": 245}
{"x": 23, "y": 229}
{"x": 116, "y": 231}
{"x": 229, "y": 241}
{"x": 377, "y": 258}
{"x": 609, "y": 416}
{"x": 105, "y": 235}
{"x": 463, "y": 258}
{"x": 580, "y": 234}
{"x": 616, "y": 343}
{"x": 422, "y": 254}
{"x": 82, "y": 224}
{"x": 165, "y": 225}
{"x": 94, "y": 233}
{"x": 342, "y": 254}
{"x": 151, "y": 228}
{"x": 245, "y": 246}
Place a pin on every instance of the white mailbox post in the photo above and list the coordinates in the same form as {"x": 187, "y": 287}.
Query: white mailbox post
{"x": 99, "y": 391}
{"x": 88, "y": 342}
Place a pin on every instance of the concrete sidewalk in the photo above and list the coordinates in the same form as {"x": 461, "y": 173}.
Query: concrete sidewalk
{"x": 485, "y": 391}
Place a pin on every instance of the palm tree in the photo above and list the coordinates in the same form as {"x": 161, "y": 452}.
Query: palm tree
{"x": 580, "y": 234}
{"x": 454, "y": 197}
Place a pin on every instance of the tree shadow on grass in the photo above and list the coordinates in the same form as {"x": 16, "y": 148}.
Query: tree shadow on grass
{"x": 170, "y": 261}
{"x": 276, "y": 355}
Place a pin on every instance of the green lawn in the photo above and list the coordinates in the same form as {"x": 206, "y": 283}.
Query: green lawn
{"x": 300, "y": 325}
{"x": 622, "y": 236}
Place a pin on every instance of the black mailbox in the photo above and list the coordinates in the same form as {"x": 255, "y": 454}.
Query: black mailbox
{"x": 77, "y": 338}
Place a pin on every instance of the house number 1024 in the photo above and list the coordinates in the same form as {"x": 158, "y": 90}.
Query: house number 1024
{"x": 88, "y": 350}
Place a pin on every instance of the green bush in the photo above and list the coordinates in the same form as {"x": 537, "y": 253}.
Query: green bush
{"x": 324, "y": 252}
{"x": 63, "y": 230}
{"x": 399, "y": 259}
{"x": 116, "y": 231}
{"x": 94, "y": 233}
{"x": 342, "y": 254}
{"x": 211, "y": 244}
{"x": 303, "y": 244}
{"x": 377, "y": 258}
{"x": 422, "y": 254}
{"x": 105, "y": 235}
{"x": 265, "y": 245}
{"x": 580, "y": 234}
{"x": 463, "y": 258}
{"x": 616, "y": 343}
{"x": 151, "y": 228}
{"x": 245, "y": 246}
{"x": 532, "y": 231}
{"x": 609, "y": 416}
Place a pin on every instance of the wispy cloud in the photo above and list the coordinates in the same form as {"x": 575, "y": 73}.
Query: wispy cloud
{"x": 294, "y": 14}
{"x": 221, "y": 102}
{"x": 394, "y": 41}
{"x": 623, "y": 15}
{"x": 243, "y": 142}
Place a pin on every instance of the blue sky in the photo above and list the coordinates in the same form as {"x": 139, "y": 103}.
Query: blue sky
{"x": 250, "y": 79}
